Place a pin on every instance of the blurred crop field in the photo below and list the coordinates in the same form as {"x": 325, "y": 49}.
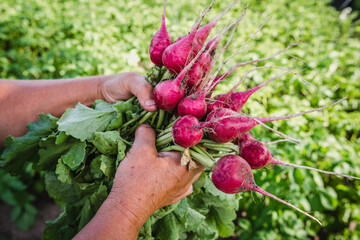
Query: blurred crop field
{"x": 42, "y": 39}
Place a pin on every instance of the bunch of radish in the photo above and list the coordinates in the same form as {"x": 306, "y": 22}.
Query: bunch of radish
{"x": 186, "y": 95}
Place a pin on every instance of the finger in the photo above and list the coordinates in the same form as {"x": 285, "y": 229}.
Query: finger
{"x": 174, "y": 156}
{"x": 197, "y": 170}
{"x": 145, "y": 139}
{"x": 196, "y": 177}
{"x": 143, "y": 91}
{"x": 187, "y": 193}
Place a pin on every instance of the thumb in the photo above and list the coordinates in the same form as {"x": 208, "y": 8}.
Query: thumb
{"x": 144, "y": 92}
{"x": 145, "y": 139}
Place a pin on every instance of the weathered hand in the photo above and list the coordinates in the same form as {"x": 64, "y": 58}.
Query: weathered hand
{"x": 144, "y": 182}
{"x": 147, "y": 180}
{"x": 123, "y": 86}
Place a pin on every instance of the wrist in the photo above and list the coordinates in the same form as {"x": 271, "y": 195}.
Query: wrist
{"x": 124, "y": 207}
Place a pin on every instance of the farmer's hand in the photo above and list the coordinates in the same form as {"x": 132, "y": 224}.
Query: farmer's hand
{"x": 147, "y": 180}
{"x": 144, "y": 182}
{"x": 123, "y": 86}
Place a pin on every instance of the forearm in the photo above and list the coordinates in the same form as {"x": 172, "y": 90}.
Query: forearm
{"x": 22, "y": 100}
{"x": 113, "y": 220}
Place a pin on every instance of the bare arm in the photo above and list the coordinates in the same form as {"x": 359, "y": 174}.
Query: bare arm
{"x": 22, "y": 100}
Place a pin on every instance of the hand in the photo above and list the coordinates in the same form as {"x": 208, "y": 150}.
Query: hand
{"x": 147, "y": 180}
{"x": 144, "y": 182}
{"x": 123, "y": 86}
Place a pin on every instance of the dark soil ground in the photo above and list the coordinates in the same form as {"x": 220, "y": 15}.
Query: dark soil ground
{"x": 47, "y": 210}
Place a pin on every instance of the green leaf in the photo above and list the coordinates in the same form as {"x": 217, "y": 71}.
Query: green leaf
{"x": 75, "y": 155}
{"x": 62, "y": 192}
{"x": 63, "y": 227}
{"x": 63, "y": 172}
{"x": 82, "y": 122}
{"x": 71, "y": 150}
{"x": 224, "y": 217}
{"x": 194, "y": 219}
{"x": 107, "y": 142}
{"x": 61, "y": 137}
{"x": 121, "y": 152}
{"x": 90, "y": 205}
{"x": 24, "y": 216}
{"x": 123, "y": 107}
{"x": 21, "y": 150}
{"x": 168, "y": 228}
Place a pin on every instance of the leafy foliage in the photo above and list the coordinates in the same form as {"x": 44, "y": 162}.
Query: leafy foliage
{"x": 52, "y": 39}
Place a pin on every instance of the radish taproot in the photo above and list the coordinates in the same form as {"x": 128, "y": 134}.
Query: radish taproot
{"x": 236, "y": 100}
{"x": 258, "y": 156}
{"x": 226, "y": 124}
{"x": 232, "y": 174}
{"x": 160, "y": 41}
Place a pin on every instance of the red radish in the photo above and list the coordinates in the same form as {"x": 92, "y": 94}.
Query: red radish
{"x": 232, "y": 174}
{"x": 160, "y": 41}
{"x": 167, "y": 94}
{"x": 236, "y": 100}
{"x": 226, "y": 124}
{"x": 193, "y": 104}
{"x": 244, "y": 136}
{"x": 179, "y": 38}
{"x": 176, "y": 56}
{"x": 258, "y": 156}
{"x": 199, "y": 70}
{"x": 186, "y": 131}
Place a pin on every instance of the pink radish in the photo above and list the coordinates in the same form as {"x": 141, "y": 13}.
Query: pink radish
{"x": 258, "y": 156}
{"x": 177, "y": 55}
{"x": 193, "y": 104}
{"x": 199, "y": 70}
{"x": 160, "y": 41}
{"x": 236, "y": 100}
{"x": 232, "y": 174}
{"x": 244, "y": 136}
{"x": 226, "y": 124}
{"x": 168, "y": 93}
{"x": 186, "y": 131}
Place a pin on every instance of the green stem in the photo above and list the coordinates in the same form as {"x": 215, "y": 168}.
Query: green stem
{"x": 165, "y": 131}
{"x": 204, "y": 160}
{"x": 160, "y": 119}
{"x": 134, "y": 119}
{"x": 202, "y": 151}
{"x": 163, "y": 140}
{"x": 154, "y": 118}
{"x": 145, "y": 117}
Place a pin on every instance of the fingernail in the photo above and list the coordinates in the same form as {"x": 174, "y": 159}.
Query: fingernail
{"x": 150, "y": 103}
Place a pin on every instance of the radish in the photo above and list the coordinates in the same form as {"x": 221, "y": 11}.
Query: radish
{"x": 193, "y": 104}
{"x": 176, "y": 56}
{"x": 236, "y": 100}
{"x": 227, "y": 124}
{"x": 258, "y": 156}
{"x": 187, "y": 131}
{"x": 168, "y": 93}
{"x": 160, "y": 41}
{"x": 232, "y": 174}
{"x": 244, "y": 136}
